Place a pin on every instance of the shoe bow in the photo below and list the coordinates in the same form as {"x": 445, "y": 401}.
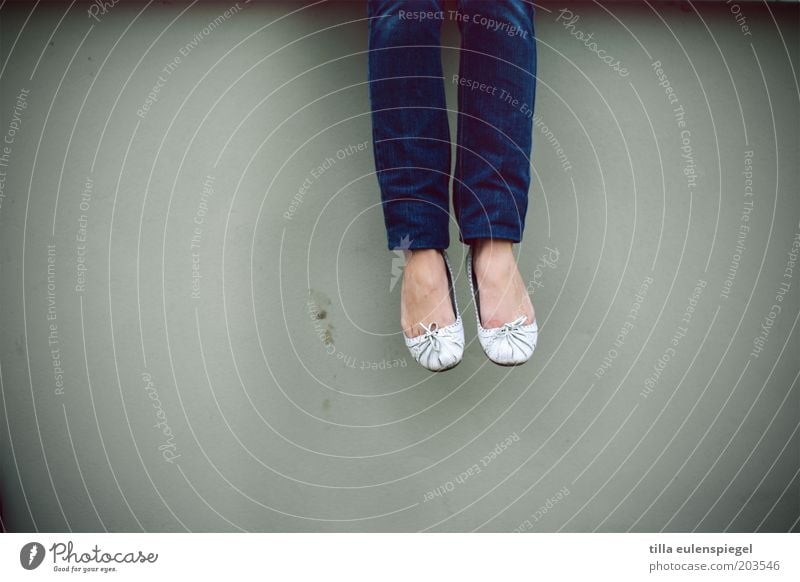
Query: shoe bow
{"x": 431, "y": 337}
{"x": 513, "y": 337}
{"x": 513, "y": 327}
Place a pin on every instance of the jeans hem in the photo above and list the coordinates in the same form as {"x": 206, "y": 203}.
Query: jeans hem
{"x": 419, "y": 244}
{"x": 497, "y": 234}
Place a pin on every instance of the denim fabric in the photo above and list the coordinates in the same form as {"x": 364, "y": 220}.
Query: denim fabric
{"x": 410, "y": 131}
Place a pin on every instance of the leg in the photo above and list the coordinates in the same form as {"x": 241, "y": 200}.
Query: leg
{"x": 410, "y": 132}
{"x": 492, "y": 177}
{"x": 411, "y": 143}
{"x": 495, "y": 127}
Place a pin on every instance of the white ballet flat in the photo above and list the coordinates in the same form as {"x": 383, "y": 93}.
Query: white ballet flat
{"x": 439, "y": 348}
{"x": 512, "y": 343}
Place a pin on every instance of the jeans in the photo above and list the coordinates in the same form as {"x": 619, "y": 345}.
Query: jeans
{"x": 410, "y": 131}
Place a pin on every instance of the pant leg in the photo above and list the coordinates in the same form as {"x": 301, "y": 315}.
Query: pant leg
{"x": 495, "y": 124}
{"x": 410, "y": 132}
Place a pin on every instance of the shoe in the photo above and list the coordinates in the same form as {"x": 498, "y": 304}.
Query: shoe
{"x": 440, "y": 348}
{"x": 511, "y": 344}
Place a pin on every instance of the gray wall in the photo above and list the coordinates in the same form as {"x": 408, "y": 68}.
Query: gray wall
{"x": 191, "y": 343}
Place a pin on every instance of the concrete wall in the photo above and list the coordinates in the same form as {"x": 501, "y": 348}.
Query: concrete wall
{"x": 200, "y": 328}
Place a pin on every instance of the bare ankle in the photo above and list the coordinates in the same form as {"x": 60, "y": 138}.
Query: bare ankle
{"x": 484, "y": 247}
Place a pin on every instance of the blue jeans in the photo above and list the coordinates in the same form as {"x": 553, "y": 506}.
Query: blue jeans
{"x": 410, "y": 131}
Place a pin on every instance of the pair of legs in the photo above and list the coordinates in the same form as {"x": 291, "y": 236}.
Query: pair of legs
{"x": 411, "y": 140}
